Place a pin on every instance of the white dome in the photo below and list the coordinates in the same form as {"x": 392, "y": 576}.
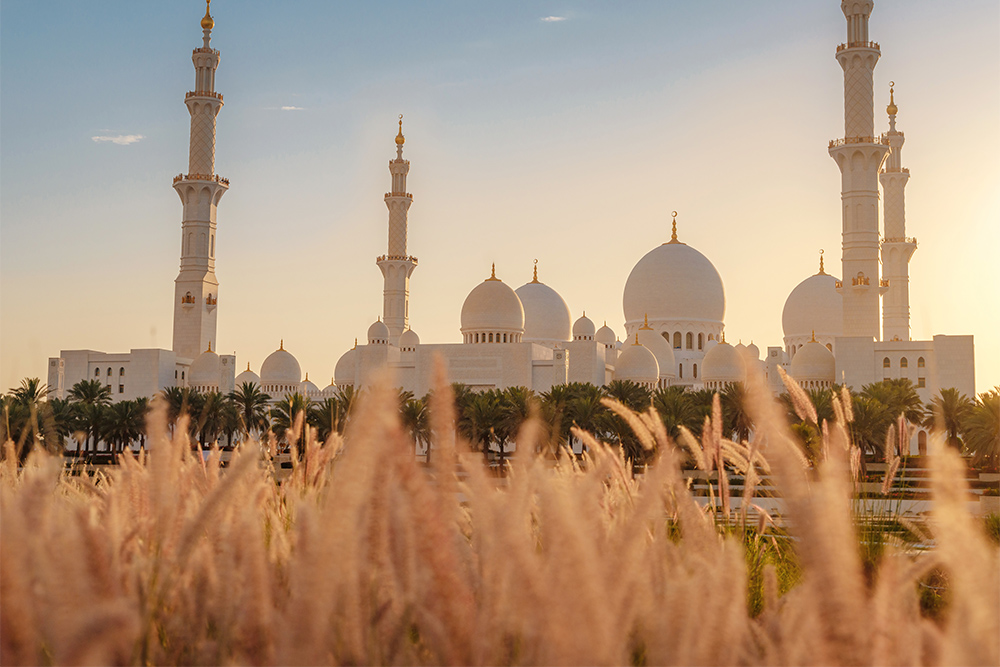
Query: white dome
{"x": 306, "y": 387}
{"x": 492, "y": 306}
{"x": 409, "y": 339}
{"x": 674, "y": 282}
{"x": 638, "y": 364}
{"x": 584, "y": 328}
{"x": 378, "y": 333}
{"x": 343, "y": 374}
{"x": 709, "y": 344}
{"x": 814, "y": 362}
{"x": 814, "y": 305}
{"x": 723, "y": 363}
{"x": 661, "y": 349}
{"x": 753, "y": 351}
{"x": 546, "y": 315}
{"x": 204, "y": 370}
{"x": 606, "y": 335}
{"x": 280, "y": 368}
{"x": 247, "y": 376}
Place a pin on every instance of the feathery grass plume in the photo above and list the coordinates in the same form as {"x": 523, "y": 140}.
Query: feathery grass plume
{"x": 633, "y": 420}
{"x": 800, "y": 399}
{"x": 847, "y": 402}
{"x": 693, "y": 445}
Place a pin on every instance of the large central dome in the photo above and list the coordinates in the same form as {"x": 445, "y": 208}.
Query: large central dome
{"x": 674, "y": 282}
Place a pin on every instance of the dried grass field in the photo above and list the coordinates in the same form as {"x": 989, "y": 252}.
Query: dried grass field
{"x": 365, "y": 556}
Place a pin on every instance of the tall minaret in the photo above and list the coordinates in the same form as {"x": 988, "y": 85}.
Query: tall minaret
{"x": 859, "y": 155}
{"x": 896, "y": 247}
{"x": 396, "y": 265}
{"x": 196, "y": 289}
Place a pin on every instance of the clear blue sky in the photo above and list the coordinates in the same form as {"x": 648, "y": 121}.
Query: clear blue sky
{"x": 565, "y": 140}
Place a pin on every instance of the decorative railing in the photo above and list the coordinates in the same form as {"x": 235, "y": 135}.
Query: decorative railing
{"x": 201, "y": 177}
{"x": 882, "y": 140}
{"x": 883, "y": 283}
{"x": 203, "y": 93}
{"x": 838, "y": 284}
{"x": 901, "y": 239}
{"x": 398, "y": 258}
{"x": 398, "y": 194}
{"x": 187, "y": 299}
{"x": 211, "y": 301}
{"x": 202, "y": 49}
{"x": 859, "y": 45}
{"x": 896, "y": 170}
{"x": 862, "y": 280}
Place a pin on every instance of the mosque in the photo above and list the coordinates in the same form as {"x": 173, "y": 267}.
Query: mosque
{"x": 853, "y": 330}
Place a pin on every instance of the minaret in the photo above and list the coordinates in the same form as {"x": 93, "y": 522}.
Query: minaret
{"x": 196, "y": 290}
{"x": 396, "y": 265}
{"x": 896, "y": 247}
{"x": 859, "y": 155}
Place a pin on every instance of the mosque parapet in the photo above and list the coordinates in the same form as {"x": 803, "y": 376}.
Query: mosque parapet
{"x": 202, "y": 49}
{"x": 397, "y": 258}
{"x": 398, "y": 194}
{"x": 203, "y": 93}
{"x": 912, "y": 240}
{"x": 881, "y": 140}
{"x": 215, "y": 178}
{"x": 860, "y": 45}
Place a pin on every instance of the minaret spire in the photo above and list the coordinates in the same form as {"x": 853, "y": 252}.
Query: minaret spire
{"x": 859, "y": 154}
{"x": 396, "y": 265}
{"x": 897, "y": 248}
{"x": 196, "y": 289}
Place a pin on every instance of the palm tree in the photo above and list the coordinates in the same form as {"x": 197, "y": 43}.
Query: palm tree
{"x": 982, "y": 429}
{"x": 630, "y": 394}
{"x": 211, "y": 418}
{"x": 90, "y": 397}
{"x": 285, "y": 412}
{"x": 483, "y": 413}
{"x": 516, "y": 405}
{"x": 347, "y": 398}
{"x": 948, "y": 412}
{"x": 327, "y": 417}
{"x": 899, "y": 396}
{"x": 872, "y": 420}
{"x": 22, "y": 410}
{"x": 251, "y": 405}
{"x": 416, "y": 421}
{"x": 735, "y": 411}
{"x": 122, "y": 424}
{"x": 676, "y": 409}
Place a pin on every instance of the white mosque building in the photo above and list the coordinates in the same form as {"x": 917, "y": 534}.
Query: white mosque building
{"x": 853, "y": 330}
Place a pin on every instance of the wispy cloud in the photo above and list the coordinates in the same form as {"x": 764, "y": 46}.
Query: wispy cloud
{"x": 120, "y": 139}
{"x": 552, "y": 19}
{"x": 291, "y": 108}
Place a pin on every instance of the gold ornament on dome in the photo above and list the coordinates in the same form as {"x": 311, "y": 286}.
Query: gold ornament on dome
{"x": 207, "y": 23}
{"x": 400, "y": 139}
{"x": 892, "y": 108}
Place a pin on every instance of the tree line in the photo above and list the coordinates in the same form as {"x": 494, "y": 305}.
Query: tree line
{"x": 488, "y": 419}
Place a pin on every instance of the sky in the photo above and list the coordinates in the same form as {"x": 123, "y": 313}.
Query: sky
{"x": 560, "y": 131}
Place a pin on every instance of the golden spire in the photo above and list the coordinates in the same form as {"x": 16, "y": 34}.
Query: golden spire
{"x": 307, "y": 376}
{"x": 248, "y": 365}
{"x": 723, "y": 336}
{"x": 493, "y": 273}
{"x": 637, "y": 339}
{"x": 209, "y": 346}
{"x": 282, "y": 346}
{"x": 355, "y": 344}
{"x": 814, "y": 337}
{"x": 535, "y": 279}
{"x": 821, "y": 271}
{"x": 400, "y": 139}
{"x": 673, "y": 231}
{"x": 891, "y": 109}
{"x": 207, "y": 23}
{"x": 645, "y": 323}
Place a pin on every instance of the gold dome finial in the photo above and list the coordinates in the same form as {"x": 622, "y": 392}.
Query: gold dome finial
{"x": 723, "y": 336}
{"x": 355, "y": 344}
{"x": 814, "y": 337}
{"x": 535, "y": 279}
{"x": 209, "y": 346}
{"x": 400, "y": 139}
{"x": 307, "y": 376}
{"x": 645, "y": 323}
{"x": 637, "y": 339}
{"x": 673, "y": 231}
{"x": 493, "y": 273}
{"x": 822, "y": 272}
{"x": 282, "y": 345}
{"x": 248, "y": 365}
{"x": 891, "y": 109}
{"x": 207, "y": 23}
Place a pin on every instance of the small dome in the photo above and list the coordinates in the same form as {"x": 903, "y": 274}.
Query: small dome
{"x": 814, "y": 363}
{"x": 492, "y": 306}
{"x": 814, "y": 305}
{"x": 546, "y": 315}
{"x": 723, "y": 363}
{"x": 307, "y": 388}
{"x": 661, "y": 349}
{"x": 709, "y": 344}
{"x": 674, "y": 282}
{"x": 205, "y": 369}
{"x": 330, "y": 388}
{"x": 378, "y": 333}
{"x": 280, "y": 368}
{"x": 583, "y": 328}
{"x": 753, "y": 352}
{"x": 409, "y": 339}
{"x": 638, "y": 364}
{"x": 343, "y": 374}
{"x": 606, "y": 335}
{"x": 247, "y": 376}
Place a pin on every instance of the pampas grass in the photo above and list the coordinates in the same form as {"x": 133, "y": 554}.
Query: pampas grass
{"x": 364, "y": 556}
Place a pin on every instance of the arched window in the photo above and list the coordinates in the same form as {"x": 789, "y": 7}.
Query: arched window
{"x": 505, "y": 338}
{"x": 886, "y": 363}
{"x": 680, "y": 369}
{"x": 182, "y": 375}
{"x": 677, "y": 340}
{"x": 829, "y": 347}
{"x": 711, "y": 336}
{"x": 903, "y": 363}
{"x": 690, "y": 340}
{"x": 694, "y": 372}
{"x": 109, "y": 371}
{"x": 701, "y": 342}
{"x": 920, "y": 362}
{"x": 666, "y": 336}
{"x": 97, "y": 372}
{"x": 121, "y": 371}
{"x": 491, "y": 337}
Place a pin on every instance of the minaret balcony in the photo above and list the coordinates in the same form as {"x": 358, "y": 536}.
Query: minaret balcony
{"x": 396, "y": 258}
{"x": 882, "y": 140}
{"x": 215, "y": 178}
{"x": 909, "y": 240}
{"x": 896, "y": 170}
{"x": 202, "y": 49}
{"x": 203, "y": 93}
{"x": 859, "y": 45}
{"x": 398, "y": 194}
